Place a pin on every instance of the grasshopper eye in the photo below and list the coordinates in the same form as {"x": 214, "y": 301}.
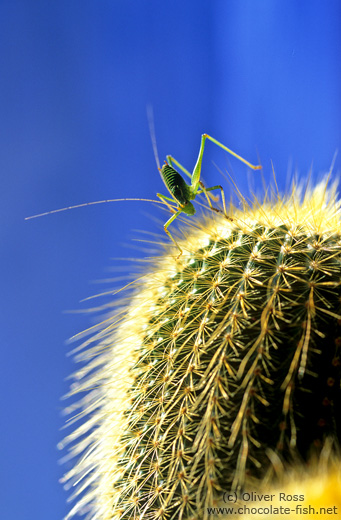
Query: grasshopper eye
{"x": 189, "y": 209}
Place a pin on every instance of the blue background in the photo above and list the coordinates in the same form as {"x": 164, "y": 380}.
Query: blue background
{"x": 76, "y": 76}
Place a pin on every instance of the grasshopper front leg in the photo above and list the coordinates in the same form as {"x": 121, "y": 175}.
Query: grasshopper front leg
{"x": 170, "y": 220}
{"x": 165, "y": 227}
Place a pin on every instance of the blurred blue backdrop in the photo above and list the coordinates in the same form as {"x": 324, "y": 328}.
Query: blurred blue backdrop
{"x": 262, "y": 77}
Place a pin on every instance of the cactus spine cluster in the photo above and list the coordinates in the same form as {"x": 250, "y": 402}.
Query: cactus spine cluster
{"x": 221, "y": 366}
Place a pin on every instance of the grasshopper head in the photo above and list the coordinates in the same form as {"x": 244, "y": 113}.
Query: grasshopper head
{"x": 188, "y": 208}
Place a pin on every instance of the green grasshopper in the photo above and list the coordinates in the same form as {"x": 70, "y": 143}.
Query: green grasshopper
{"x": 183, "y": 193}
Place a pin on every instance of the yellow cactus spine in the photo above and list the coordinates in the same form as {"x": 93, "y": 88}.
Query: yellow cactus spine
{"x": 219, "y": 367}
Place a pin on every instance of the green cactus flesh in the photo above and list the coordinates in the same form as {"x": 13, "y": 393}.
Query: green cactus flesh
{"x": 225, "y": 362}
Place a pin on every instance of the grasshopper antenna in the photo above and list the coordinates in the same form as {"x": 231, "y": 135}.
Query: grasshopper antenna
{"x": 150, "y": 116}
{"x": 90, "y": 204}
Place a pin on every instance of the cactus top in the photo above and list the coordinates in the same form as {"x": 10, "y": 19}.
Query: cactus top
{"x": 222, "y": 364}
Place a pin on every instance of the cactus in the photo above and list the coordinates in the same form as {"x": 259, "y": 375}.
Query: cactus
{"x": 218, "y": 368}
